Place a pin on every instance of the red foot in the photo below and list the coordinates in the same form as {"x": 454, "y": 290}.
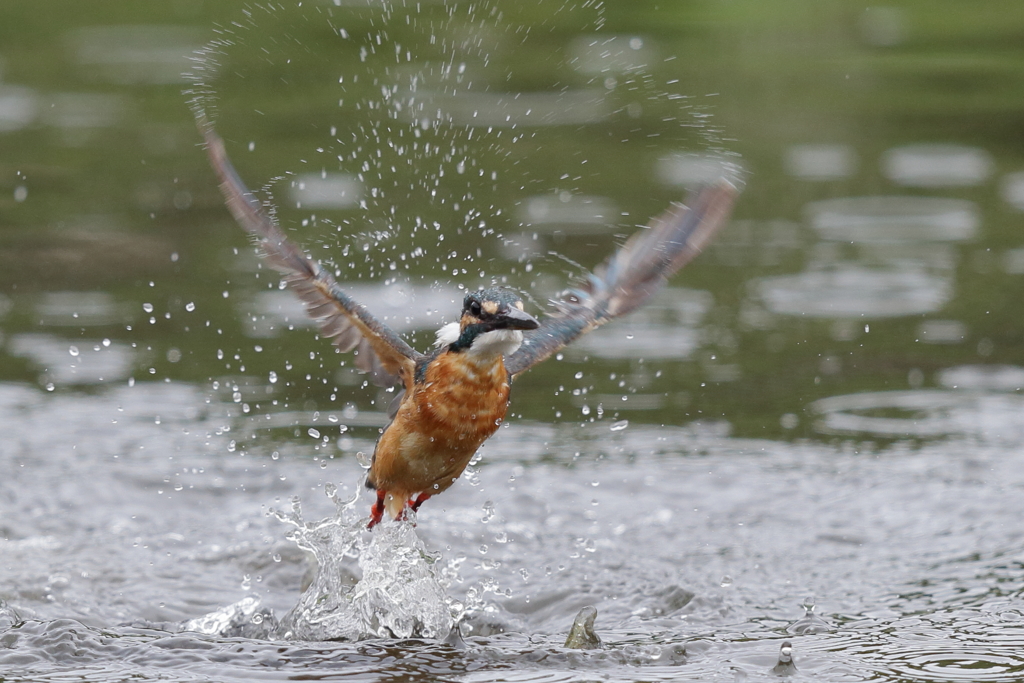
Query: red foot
{"x": 377, "y": 511}
{"x": 414, "y": 505}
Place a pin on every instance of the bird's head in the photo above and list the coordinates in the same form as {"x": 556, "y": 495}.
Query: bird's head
{"x": 492, "y": 322}
{"x": 496, "y": 308}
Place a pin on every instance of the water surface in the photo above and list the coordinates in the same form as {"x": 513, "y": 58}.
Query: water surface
{"x": 812, "y": 436}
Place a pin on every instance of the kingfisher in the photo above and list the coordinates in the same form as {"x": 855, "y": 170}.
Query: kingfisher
{"x": 454, "y": 397}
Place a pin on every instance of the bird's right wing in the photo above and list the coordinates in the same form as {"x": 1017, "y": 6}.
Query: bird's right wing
{"x": 379, "y": 350}
{"x": 628, "y": 279}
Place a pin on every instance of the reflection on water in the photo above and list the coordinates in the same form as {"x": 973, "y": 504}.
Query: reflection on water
{"x": 568, "y": 212}
{"x": 79, "y": 114}
{"x": 937, "y": 165}
{"x": 135, "y": 54}
{"x": 78, "y": 362}
{"x": 855, "y": 292}
{"x": 403, "y": 306}
{"x": 516, "y": 109}
{"x": 820, "y": 162}
{"x": 693, "y": 170}
{"x": 982, "y": 377}
{"x": 941, "y": 332}
{"x": 323, "y": 191}
{"x": 883, "y": 26}
{"x": 667, "y": 327}
{"x": 78, "y": 309}
{"x": 923, "y": 413}
{"x": 1012, "y": 189}
{"x": 18, "y": 107}
{"x": 903, "y": 266}
{"x": 609, "y": 54}
{"x": 894, "y": 219}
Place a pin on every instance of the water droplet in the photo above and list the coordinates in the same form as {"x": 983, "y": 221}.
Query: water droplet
{"x": 585, "y": 410}
{"x": 106, "y": 342}
{"x": 488, "y": 512}
{"x": 273, "y": 377}
{"x": 190, "y": 306}
{"x": 579, "y": 375}
{"x": 619, "y": 426}
{"x": 483, "y": 549}
{"x": 147, "y": 307}
{"x": 726, "y": 581}
{"x": 73, "y": 350}
{"x": 49, "y": 386}
{"x": 313, "y": 433}
{"x": 275, "y": 455}
{"x": 257, "y": 618}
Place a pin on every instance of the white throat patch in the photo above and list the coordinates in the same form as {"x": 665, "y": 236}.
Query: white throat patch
{"x": 448, "y": 334}
{"x": 496, "y": 343}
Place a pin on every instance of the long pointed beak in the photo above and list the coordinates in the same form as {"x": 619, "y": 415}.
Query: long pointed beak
{"x": 514, "y": 319}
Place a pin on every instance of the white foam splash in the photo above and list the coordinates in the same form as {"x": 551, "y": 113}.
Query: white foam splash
{"x": 401, "y": 593}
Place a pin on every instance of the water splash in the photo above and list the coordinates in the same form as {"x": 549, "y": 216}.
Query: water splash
{"x": 380, "y": 585}
{"x": 401, "y": 592}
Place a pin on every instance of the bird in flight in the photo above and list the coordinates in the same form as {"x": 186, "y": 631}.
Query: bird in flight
{"x": 454, "y": 397}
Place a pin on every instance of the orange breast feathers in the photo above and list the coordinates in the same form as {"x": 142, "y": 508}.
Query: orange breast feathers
{"x": 440, "y": 425}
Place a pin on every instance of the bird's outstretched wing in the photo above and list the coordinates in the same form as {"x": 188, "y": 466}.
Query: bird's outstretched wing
{"x": 628, "y": 279}
{"x": 379, "y": 350}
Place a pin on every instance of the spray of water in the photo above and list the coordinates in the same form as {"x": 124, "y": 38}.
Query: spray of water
{"x": 401, "y": 593}
{"x": 383, "y": 584}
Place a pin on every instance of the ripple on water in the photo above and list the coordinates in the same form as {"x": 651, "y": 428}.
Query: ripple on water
{"x": 135, "y": 54}
{"x": 820, "y": 162}
{"x": 982, "y": 377}
{"x": 894, "y": 219}
{"x": 923, "y": 413}
{"x": 937, "y": 165}
{"x": 610, "y": 54}
{"x": 667, "y": 327}
{"x": 403, "y": 306}
{"x": 853, "y": 291}
{"x": 80, "y": 362}
{"x": 18, "y": 107}
{"x": 80, "y": 309}
{"x": 952, "y": 646}
{"x": 325, "y": 191}
{"x": 515, "y": 109}
{"x": 567, "y": 212}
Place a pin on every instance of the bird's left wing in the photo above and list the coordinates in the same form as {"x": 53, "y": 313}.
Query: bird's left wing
{"x": 379, "y": 350}
{"x": 628, "y": 279}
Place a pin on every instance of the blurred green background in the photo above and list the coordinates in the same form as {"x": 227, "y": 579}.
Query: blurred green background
{"x": 419, "y": 146}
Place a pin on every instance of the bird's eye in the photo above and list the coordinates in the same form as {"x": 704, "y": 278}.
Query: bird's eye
{"x": 474, "y": 308}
